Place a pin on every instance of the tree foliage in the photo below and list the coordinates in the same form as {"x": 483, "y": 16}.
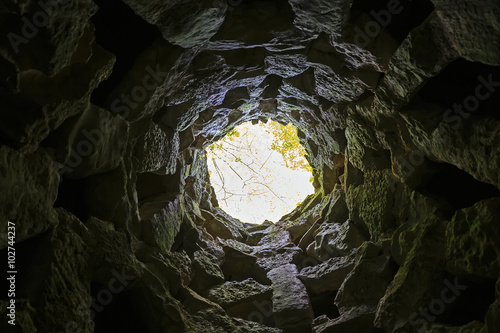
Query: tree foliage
{"x": 245, "y": 166}
{"x": 287, "y": 143}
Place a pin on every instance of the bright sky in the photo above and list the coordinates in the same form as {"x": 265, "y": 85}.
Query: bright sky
{"x": 260, "y": 186}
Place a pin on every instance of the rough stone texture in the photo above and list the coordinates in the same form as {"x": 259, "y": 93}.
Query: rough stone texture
{"x": 450, "y": 12}
{"x": 476, "y": 222}
{"x": 30, "y": 184}
{"x": 107, "y": 106}
{"x": 365, "y": 284}
{"x": 335, "y": 240}
{"x": 355, "y": 320}
{"x": 233, "y": 292}
{"x": 414, "y": 282}
{"x": 206, "y": 271}
{"x": 244, "y": 299}
{"x": 328, "y": 275}
{"x": 291, "y": 307}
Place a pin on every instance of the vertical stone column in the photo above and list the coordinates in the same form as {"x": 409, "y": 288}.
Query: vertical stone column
{"x": 292, "y": 309}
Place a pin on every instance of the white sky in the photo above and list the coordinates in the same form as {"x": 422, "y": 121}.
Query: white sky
{"x": 249, "y": 185}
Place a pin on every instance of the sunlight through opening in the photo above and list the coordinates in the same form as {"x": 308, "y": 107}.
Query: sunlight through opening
{"x": 259, "y": 172}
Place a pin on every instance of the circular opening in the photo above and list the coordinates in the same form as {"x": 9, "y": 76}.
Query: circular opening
{"x": 259, "y": 172}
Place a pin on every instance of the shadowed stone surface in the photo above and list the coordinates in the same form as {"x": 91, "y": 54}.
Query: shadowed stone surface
{"x": 291, "y": 307}
{"x": 328, "y": 275}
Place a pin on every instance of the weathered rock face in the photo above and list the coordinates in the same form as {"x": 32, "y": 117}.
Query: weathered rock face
{"x": 107, "y": 106}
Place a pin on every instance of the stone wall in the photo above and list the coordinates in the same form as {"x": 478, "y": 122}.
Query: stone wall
{"x": 107, "y": 107}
